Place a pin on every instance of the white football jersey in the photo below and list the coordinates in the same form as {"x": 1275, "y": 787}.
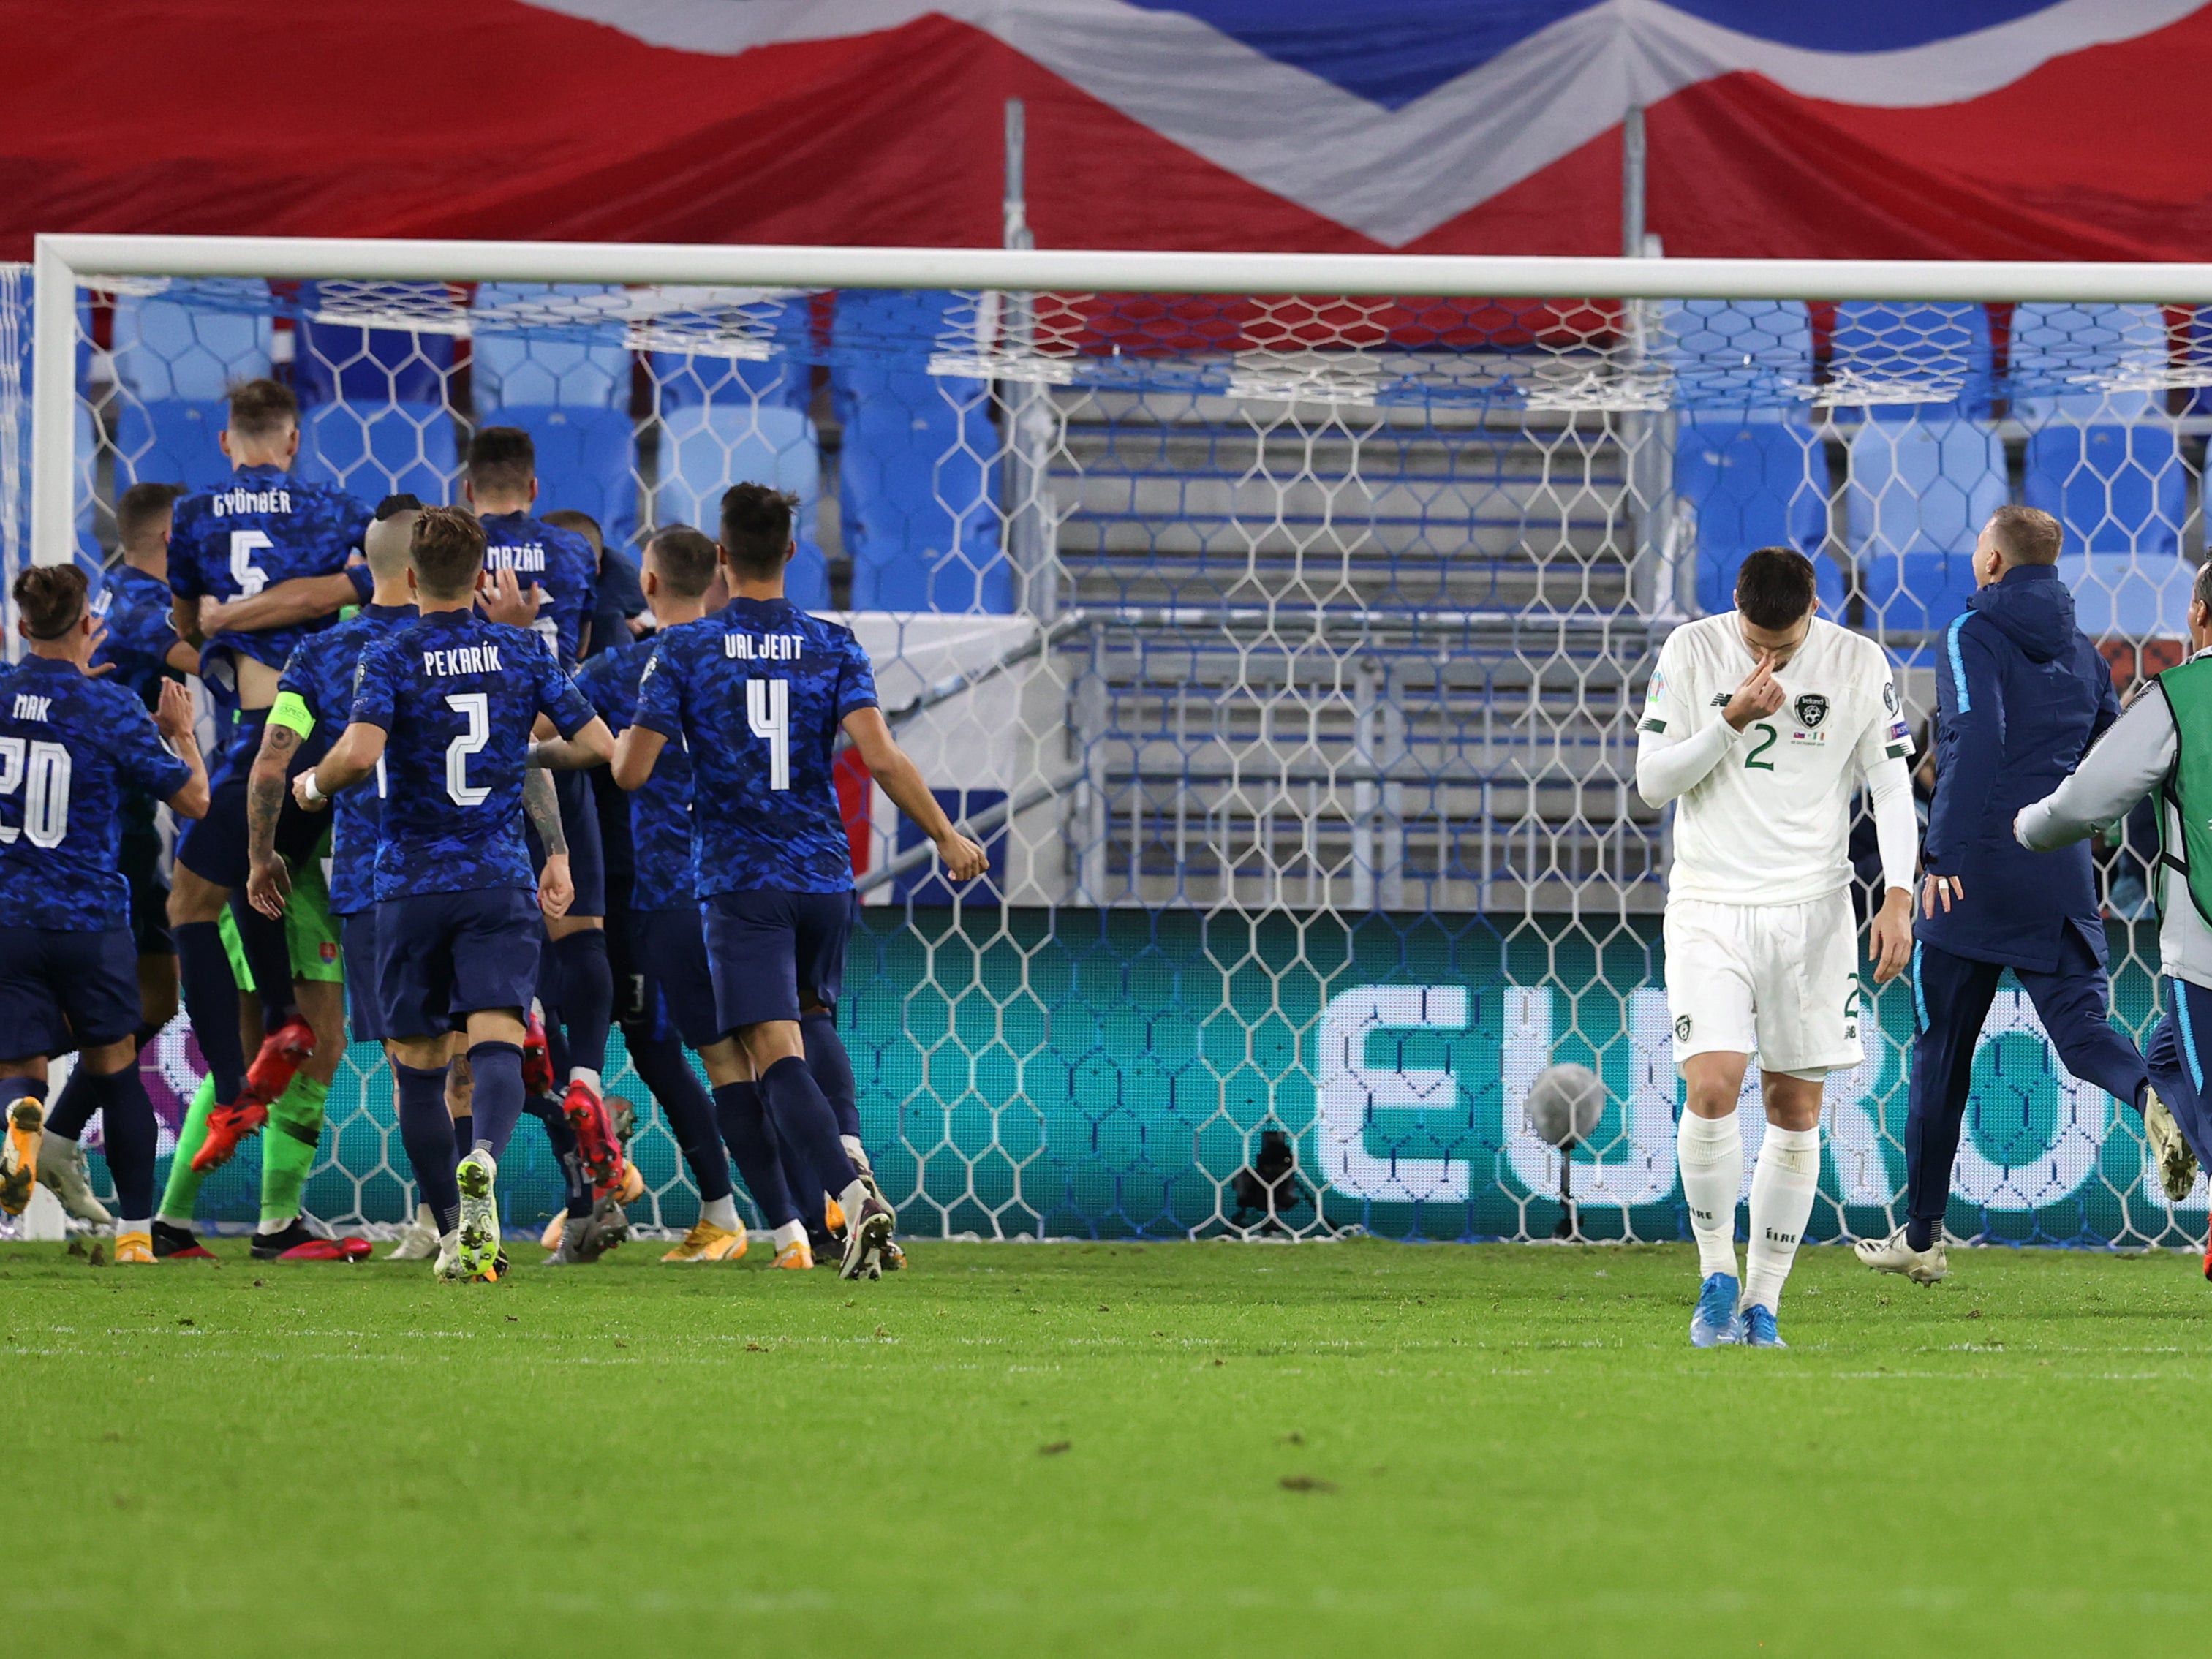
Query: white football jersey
{"x": 1770, "y": 823}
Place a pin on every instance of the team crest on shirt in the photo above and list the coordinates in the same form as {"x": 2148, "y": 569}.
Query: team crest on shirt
{"x": 1889, "y": 696}
{"x": 1812, "y": 709}
{"x": 1681, "y": 1028}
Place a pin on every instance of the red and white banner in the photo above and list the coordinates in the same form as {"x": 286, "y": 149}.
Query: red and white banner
{"x": 1976, "y": 129}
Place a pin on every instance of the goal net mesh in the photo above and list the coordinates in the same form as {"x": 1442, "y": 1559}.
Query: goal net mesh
{"x": 1286, "y": 652}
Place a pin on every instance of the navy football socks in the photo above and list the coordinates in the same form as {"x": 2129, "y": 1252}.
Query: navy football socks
{"x": 832, "y": 1069}
{"x": 129, "y": 1135}
{"x": 562, "y": 1138}
{"x": 753, "y": 1143}
{"x": 426, "y": 1129}
{"x": 68, "y": 1116}
{"x": 584, "y": 991}
{"x": 268, "y": 954}
{"x": 497, "y": 1068}
{"x": 660, "y": 1062}
{"x": 211, "y": 994}
{"x": 803, "y": 1120}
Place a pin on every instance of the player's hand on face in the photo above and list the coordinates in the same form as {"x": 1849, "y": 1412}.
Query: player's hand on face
{"x": 269, "y": 886}
{"x": 964, "y": 859}
{"x": 1943, "y": 888}
{"x": 172, "y": 713}
{"x": 299, "y": 793}
{"x": 1889, "y": 941}
{"x": 1759, "y": 694}
{"x": 556, "y": 889}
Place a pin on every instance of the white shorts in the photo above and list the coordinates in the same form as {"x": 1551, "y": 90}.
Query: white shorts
{"x": 1779, "y": 980}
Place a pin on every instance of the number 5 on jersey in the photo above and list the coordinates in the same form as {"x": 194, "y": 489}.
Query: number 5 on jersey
{"x": 767, "y": 712}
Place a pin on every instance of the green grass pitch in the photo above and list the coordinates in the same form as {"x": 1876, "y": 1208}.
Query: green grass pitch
{"x": 1182, "y": 1449}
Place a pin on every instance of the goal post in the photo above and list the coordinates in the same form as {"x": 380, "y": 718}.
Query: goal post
{"x": 1281, "y": 622}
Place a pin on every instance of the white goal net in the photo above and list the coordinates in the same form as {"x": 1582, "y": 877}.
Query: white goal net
{"x": 1281, "y": 625}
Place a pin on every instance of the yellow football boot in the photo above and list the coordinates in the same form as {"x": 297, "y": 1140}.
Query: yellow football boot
{"x": 799, "y": 1254}
{"x": 19, "y": 1154}
{"x": 133, "y": 1250}
{"x": 707, "y": 1242}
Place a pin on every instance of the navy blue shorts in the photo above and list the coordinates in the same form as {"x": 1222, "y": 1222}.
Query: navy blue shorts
{"x": 140, "y": 860}
{"x": 357, "y": 946}
{"x": 668, "y": 952}
{"x": 60, "y": 991}
{"x": 587, "y": 857}
{"x": 440, "y": 957}
{"x": 215, "y": 846}
{"x": 767, "y": 947}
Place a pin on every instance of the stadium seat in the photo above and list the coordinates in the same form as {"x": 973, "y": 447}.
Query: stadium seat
{"x": 1919, "y": 494}
{"x": 2071, "y": 362}
{"x": 1902, "y": 362}
{"x": 2122, "y": 595}
{"x": 725, "y": 420}
{"x": 572, "y": 396}
{"x": 1750, "y": 355}
{"x": 1749, "y": 484}
{"x": 374, "y": 415}
{"x": 916, "y": 481}
{"x": 173, "y": 365}
{"x": 2118, "y": 489}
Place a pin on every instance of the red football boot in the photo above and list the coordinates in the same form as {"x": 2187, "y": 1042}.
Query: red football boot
{"x": 281, "y": 1051}
{"x": 227, "y": 1127}
{"x": 2208, "y": 1259}
{"x": 596, "y": 1145}
{"x": 537, "y": 1059}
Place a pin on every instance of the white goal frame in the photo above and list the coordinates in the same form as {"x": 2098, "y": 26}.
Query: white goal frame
{"x": 64, "y": 261}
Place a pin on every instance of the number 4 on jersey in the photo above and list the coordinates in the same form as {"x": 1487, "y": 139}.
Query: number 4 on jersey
{"x": 767, "y": 712}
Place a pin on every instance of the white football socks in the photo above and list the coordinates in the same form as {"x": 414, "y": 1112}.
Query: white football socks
{"x": 791, "y": 1233}
{"x": 721, "y": 1212}
{"x": 857, "y": 1152}
{"x": 1782, "y": 1189}
{"x": 1710, "y": 1151}
{"x": 586, "y": 1075}
{"x": 852, "y": 1200}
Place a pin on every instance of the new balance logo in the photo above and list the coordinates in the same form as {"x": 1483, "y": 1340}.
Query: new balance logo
{"x": 28, "y": 708}
{"x": 463, "y": 659}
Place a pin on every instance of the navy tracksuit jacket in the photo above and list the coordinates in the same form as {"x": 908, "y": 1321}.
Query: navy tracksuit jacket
{"x": 2021, "y": 696}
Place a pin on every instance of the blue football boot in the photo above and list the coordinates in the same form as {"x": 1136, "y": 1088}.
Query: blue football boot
{"x": 1715, "y": 1320}
{"x": 1757, "y": 1328}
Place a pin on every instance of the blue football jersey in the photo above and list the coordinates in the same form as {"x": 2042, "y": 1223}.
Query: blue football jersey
{"x": 320, "y": 676}
{"x": 559, "y": 561}
{"x": 663, "y": 876}
{"x": 133, "y": 608}
{"x": 69, "y": 749}
{"x": 263, "y": 527}
{"x": 457, "y": 696}
{"x": 758, "y": 692}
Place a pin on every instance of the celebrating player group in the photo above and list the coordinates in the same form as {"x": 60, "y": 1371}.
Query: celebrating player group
{"x": 402, "y": 839}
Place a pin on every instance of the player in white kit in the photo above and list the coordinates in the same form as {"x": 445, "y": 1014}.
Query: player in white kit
{"x": 1761, "y": 722}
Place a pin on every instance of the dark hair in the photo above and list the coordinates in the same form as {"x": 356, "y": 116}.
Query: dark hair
{"x": 263, "y": 408}
{"x": 2026, "y": 535}
{"x": 756, "y": 528}
{"x": 392, "y": 506}
{"x": 2201, "y": 590}
{"x": 685, "y": 558}
{"x": 447, "y": 547}
{"x": 50, "y": 598}
{"x": 1776, "y": 587}
{"x": 501, "y": 458}
{"x": 142, "y": 506}
{"x": 566, "y": 518}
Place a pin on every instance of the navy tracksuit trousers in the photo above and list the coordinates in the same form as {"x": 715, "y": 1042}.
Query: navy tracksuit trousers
{"x": 2180, "y": 1056}
{"x": 1951, "y": 998}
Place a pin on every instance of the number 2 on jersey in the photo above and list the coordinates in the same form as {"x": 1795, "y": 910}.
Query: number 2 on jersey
{"x": 476, "y": 706}
{"x": 767, "y": 712}
{"x": 1752, "y": 762}
{"x": 46, "y": 802}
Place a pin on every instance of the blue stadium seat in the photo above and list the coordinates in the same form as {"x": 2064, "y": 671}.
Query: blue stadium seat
{"x": 573, "y": 397}
{"x": 1750, "y": 485}
{"x": 1751, "y": 355}
{"x": 2118, "y": 489}
{"x": 727, "y": 420}
{"x": 917, "y": 482}
{"x": 2068, "y": 362}
{"x": 1919, "y": 493}
{"x": 2120, "y": 595}
{"x": 373, "y": 414}
{"x": 174, "y": 365}
{"x": 1918, "y": 358}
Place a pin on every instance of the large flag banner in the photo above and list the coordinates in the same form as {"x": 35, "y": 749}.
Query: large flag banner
{"x": 1977, "y": 128}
